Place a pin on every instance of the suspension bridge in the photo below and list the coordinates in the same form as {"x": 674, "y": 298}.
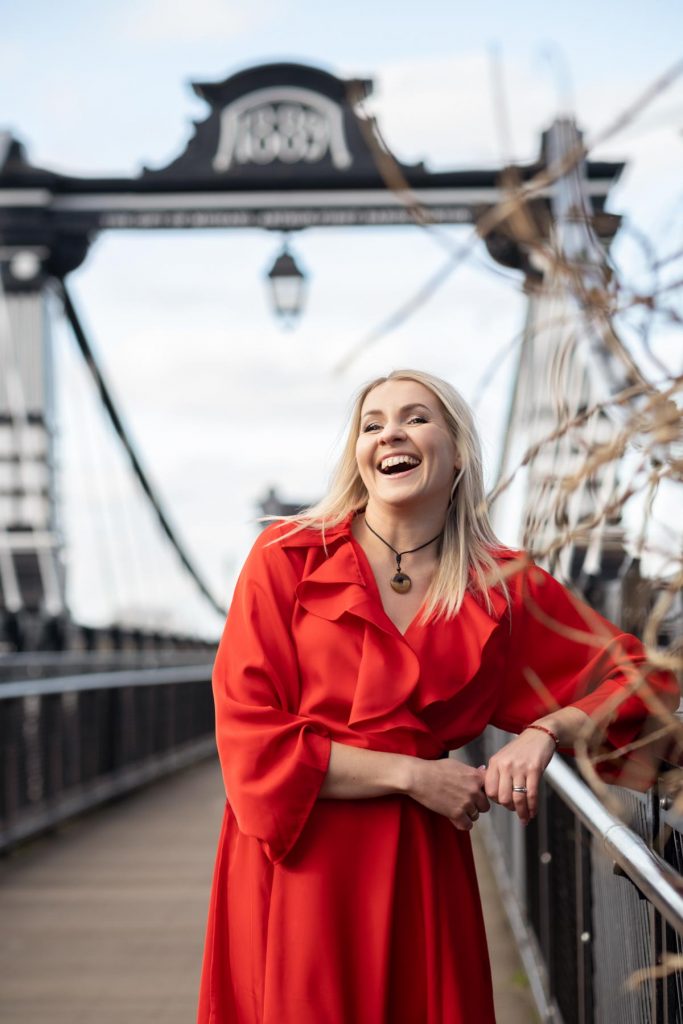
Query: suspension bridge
{"x": 109, "y": 905}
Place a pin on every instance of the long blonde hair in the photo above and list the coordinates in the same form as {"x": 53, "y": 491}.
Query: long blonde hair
{"x": 466, "y": 555}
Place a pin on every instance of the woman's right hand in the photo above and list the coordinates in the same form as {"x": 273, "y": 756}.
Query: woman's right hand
{"x": 451, "y": 788}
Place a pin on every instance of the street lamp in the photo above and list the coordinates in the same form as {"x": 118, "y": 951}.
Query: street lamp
{"x": 287, "y": 284}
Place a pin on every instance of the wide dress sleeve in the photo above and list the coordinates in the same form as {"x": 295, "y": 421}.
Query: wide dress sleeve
{"x": 562, "y": 653}
{"x": 273, "y": 760}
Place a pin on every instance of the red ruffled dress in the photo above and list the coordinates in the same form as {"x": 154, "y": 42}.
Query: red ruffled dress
{"x": 367, "y": 911}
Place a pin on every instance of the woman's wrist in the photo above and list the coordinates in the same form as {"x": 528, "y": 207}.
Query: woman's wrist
{"x": 565, "y": 724}
{"x": 406, "y": 774}
{"x": 549, "y": 729}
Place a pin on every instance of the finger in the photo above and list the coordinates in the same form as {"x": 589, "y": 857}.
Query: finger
{"x": 504, "y": 795}
{"x": 533, "y": 780}
{"x": 481, "y": 802}
{"x": 462, "y": 822}
{"x": 519, "y": 800}
{"x": 492, "y": 782}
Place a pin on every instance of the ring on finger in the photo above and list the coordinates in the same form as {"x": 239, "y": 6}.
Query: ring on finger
{"x": 519, "y": 789}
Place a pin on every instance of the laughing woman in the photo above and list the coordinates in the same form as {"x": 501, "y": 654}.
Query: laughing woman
{"x": 366, "y": 638}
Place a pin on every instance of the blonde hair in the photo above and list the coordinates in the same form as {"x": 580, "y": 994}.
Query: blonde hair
{"x": 466, "y": 550}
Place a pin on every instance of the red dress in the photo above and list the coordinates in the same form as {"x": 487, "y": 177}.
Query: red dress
{"x": 367, "y": 911}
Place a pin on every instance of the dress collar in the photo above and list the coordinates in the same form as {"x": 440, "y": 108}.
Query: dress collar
{"x": 389, "y": 690}
{"x": 334, "y": 562}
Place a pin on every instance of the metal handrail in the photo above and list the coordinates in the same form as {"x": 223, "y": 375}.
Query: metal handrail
{"x": 105, "y": 681}
{"x": 657, "y": 881}
{"x": 137, "y": 655}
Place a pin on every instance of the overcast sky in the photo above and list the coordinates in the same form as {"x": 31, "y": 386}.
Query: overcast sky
{"x": 221, "y": 402}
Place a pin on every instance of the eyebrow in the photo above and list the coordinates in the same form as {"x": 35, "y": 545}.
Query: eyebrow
{"x": 404, "y": 408}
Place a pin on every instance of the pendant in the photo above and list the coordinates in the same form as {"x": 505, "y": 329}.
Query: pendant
{"x": 401, "y": 583}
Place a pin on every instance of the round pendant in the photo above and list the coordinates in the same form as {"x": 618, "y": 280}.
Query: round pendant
{"x": 401, "y": 583}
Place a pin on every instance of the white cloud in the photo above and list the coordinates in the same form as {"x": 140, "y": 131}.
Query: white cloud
{"x": 161, "y": 21}
{"x": 442, "y": 110}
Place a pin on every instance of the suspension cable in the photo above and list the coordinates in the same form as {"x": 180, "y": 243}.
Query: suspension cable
{"x": 144, "y": 481}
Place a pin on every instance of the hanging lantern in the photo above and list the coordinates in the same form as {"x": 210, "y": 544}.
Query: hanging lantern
{"x": 288, "y": 286}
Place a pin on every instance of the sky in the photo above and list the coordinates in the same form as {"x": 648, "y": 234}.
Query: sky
{"x": 220, "y": 401}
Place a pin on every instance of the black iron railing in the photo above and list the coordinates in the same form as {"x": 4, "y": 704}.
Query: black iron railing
{"x": 594, "y": 899}
{"x": 70, "y": 742}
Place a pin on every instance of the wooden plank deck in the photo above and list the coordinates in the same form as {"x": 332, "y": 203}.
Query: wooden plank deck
{"x": 104, "y": 920}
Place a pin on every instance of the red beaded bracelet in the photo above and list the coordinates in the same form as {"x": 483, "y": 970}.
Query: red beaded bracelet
{"x": 549, "y": 732}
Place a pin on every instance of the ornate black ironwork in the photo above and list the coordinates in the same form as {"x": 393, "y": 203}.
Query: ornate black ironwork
{"x": 283, "y": 147}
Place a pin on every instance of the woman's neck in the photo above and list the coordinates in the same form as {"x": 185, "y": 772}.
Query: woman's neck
{"x": 404, "y": 529}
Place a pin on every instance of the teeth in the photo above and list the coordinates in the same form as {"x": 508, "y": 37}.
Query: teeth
{"x": 397, "y": 460}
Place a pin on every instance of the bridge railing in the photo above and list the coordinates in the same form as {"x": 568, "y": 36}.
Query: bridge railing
{"x": 70, "y": 742}
{"x": 593, "y": 899}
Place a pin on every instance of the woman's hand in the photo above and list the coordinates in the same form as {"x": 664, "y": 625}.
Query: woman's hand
{"x": 519, "y": 763}
{"x": 451, "y": 788}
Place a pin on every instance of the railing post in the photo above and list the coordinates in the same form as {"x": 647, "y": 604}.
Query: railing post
{"x": 545, "y": 868}
{"x": 584, "y": 924}
{"x": 658, "y": 925}
{"x": 10, "y": 733}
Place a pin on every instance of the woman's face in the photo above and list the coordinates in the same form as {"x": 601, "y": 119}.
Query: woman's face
{"x": 405, "y": 452}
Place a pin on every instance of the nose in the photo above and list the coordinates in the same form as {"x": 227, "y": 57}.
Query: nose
{"x": 391, "y": 432}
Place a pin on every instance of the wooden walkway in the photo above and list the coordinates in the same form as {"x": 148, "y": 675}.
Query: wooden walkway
{"x": 104, "y": 920}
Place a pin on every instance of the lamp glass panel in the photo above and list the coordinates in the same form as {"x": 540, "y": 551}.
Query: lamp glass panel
{"x": 287, "y": 292}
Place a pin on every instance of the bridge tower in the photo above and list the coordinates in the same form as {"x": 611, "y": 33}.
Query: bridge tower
{"x": 570, "y": 364}
{"x": 33, "y": 610}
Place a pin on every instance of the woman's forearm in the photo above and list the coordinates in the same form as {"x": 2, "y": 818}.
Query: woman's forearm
{"x": 445, "y": 785}
{"x": 567, "y": 724}
{"x": 355, "y": 773}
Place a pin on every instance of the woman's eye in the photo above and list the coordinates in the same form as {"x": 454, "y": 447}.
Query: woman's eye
{"x": 370, "y": 426}
{"x": 417, "y": 419}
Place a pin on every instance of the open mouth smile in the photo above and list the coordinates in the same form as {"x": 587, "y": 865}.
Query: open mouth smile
{"x": 398, "y": 465}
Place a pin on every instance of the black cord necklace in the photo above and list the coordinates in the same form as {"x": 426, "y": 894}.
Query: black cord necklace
{"x": 400, "y": 581}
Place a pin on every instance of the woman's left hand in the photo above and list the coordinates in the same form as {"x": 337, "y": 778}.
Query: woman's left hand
{"x": 519, "y": 763}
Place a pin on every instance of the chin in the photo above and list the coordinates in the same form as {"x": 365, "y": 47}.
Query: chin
{"x": 401, "y": 500}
